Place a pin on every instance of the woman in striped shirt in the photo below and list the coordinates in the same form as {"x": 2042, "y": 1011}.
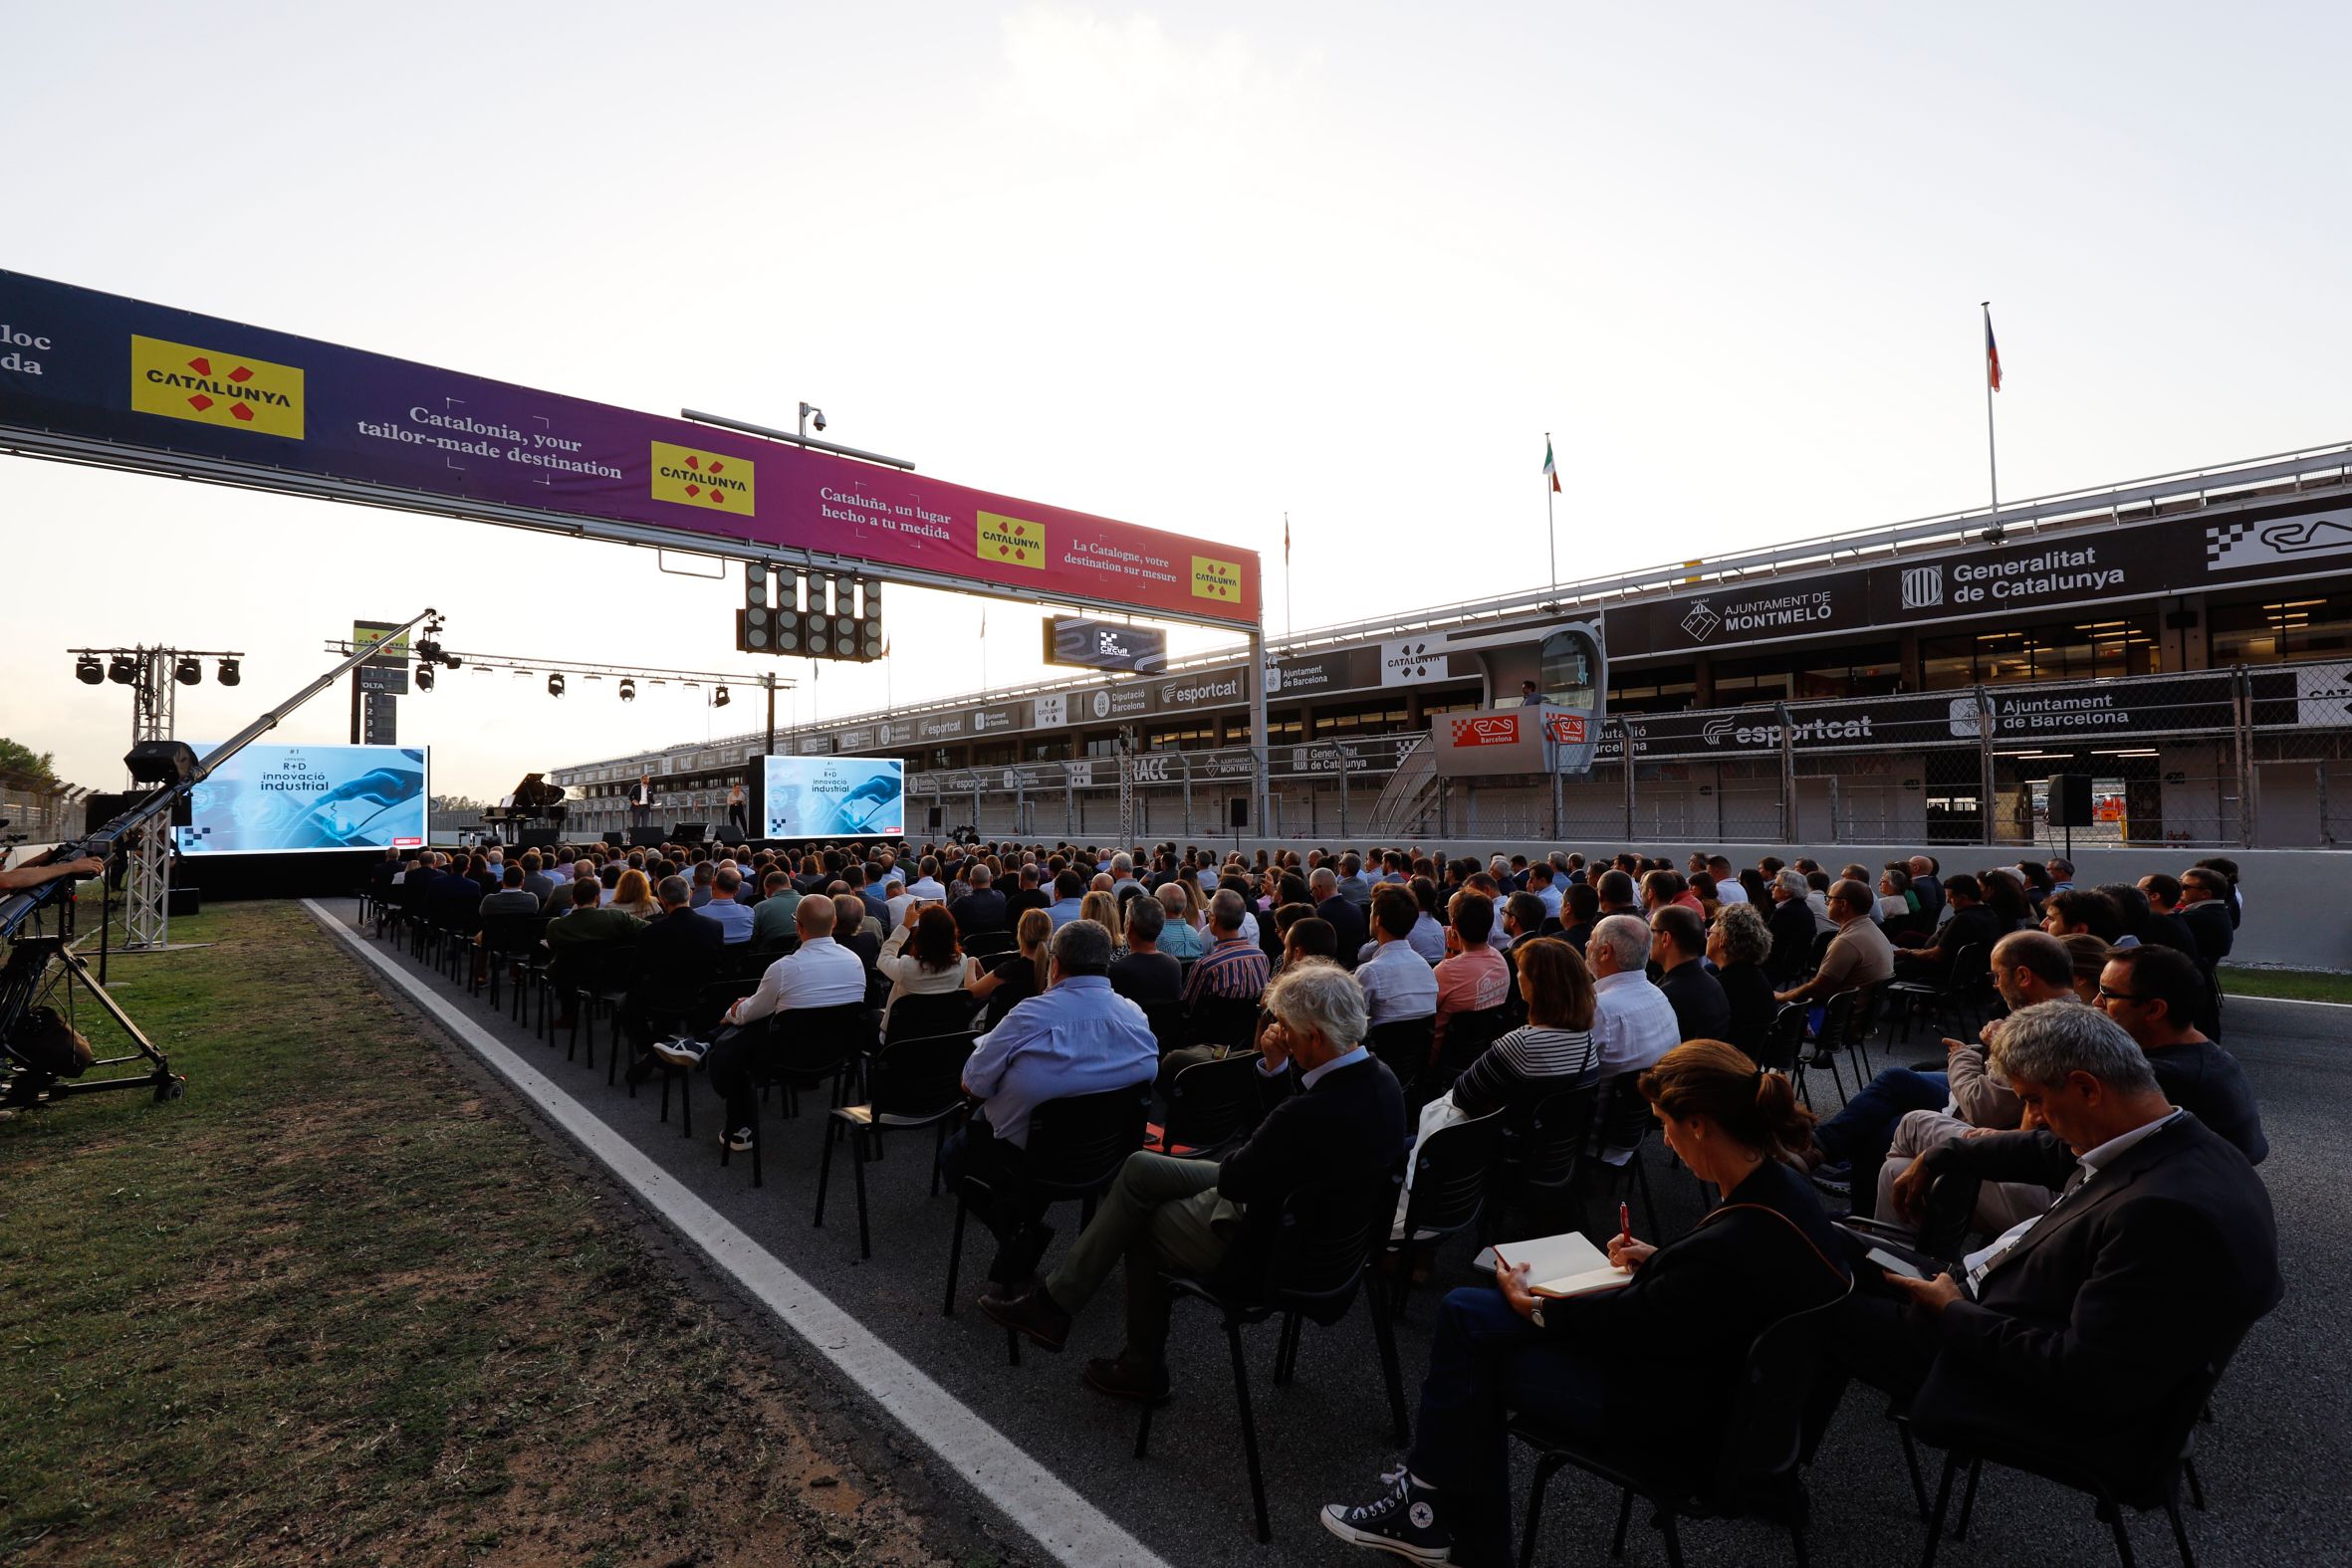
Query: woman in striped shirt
{"x": 1554, "y": 1051}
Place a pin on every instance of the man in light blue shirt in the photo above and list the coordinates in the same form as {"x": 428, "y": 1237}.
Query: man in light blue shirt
{"x": 1545, "y": 886}
{"x": 1078, "y": 1036}
{"x": 734, "y": 918}
{"x": 1070, "y": 897}
{"x": 1398, "y": 981}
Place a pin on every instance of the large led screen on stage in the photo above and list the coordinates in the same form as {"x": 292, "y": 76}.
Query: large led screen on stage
{"x": 289, "y": 799}
{"x": 834, "y": 798}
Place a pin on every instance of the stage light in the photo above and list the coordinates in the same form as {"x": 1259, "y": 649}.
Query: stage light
{"x": 719, "y": 698}
{"x": 228, "y": 674}
{"x": 122, "y": 670}
{"x": 555, "y": 684}
{"x": 424, "y": 677}
{"x": 88, "y": 671}
{"x": 628, "y": 690}
{"x": 452, "y": 661}
{"x": 187, "y": 671}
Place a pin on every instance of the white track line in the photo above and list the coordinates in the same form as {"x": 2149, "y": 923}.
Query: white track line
{"x": 1068, "y": 1526}
{"x": 2231, "y": 997}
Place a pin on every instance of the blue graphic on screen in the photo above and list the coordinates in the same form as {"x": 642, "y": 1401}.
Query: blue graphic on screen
{"x": 282, "y": 800}
{"x": 834, "y": 798}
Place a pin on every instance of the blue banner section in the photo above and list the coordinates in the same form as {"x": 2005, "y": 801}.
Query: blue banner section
{"x": 285, "y": 800}
{"x": 834, "y": 798}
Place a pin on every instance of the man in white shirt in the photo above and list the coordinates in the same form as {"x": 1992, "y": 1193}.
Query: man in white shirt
{"x": 820, "y": 972}
{"x": 899, "y": 900}
{"x": 1632, "y": 1021}
{"x": 1123, "y": 870}
{"x": 1726, "y": 882}
{"x": 1398, "y": 983}
{"x": 926, "y": 884}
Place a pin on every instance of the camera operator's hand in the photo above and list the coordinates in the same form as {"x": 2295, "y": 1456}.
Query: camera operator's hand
{"x": 36, "y": 877}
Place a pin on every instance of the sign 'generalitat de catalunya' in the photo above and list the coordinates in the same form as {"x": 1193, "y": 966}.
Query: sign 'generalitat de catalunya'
{"x": 146, "y": 379}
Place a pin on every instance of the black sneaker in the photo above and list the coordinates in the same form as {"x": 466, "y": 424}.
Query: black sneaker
{"x": 682, "y": 1053}
{"x": 1402, "y": 1524}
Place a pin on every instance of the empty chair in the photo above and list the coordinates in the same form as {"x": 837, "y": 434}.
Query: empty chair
{"x": 1452, "y": 1169}
{"x": 806, "y": 1048}
{"x": 910, "y": 1084}
{"x": 1212, "y": 1106}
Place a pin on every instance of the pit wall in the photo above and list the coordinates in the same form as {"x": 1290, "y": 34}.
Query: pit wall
{"x": 2295, "y": 898}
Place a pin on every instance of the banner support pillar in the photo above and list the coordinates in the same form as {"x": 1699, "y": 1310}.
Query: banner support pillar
{"x": 1254, "y": 667}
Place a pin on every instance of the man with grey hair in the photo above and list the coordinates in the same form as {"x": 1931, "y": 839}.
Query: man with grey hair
{"x": 1235, "y": 967}
{"x": 1345, "y": 1124}
{"x": 1351, "y": 883}
{"x": 1633, "y": 1024}
{"x": 2078, "y": 1326}
{"x": 1793, "y": 928}
{"x": 1077, "y": 1036}
{"x": 1179, "y": 938}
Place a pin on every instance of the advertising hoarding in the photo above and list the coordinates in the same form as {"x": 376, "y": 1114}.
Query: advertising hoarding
{"x": 154, "y": 381}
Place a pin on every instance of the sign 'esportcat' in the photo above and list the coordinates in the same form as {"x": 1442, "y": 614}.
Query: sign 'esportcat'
{"x": 273, "y": 409}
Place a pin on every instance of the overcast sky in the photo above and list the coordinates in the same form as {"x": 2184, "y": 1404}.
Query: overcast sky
{"x": 1190, "y": 266}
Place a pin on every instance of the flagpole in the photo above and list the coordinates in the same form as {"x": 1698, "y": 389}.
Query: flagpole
{"x": 1992, "y": 453}
{"x": 1289, "y": 626}
{"x": 1550, "y": 536}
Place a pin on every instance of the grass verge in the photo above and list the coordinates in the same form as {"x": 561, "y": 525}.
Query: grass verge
{"x": 340, "y": 1305}
{"x": 2297, "y": 985}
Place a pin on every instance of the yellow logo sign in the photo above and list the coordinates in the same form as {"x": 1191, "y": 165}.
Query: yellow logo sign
{"x": 182, "y": 381}
{"x": 701, "y": 479}
{"x": 1215, "y": 580}
{"x": 1011, "y": 542}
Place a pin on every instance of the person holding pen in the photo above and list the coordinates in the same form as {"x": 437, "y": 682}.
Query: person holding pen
{"x": 1651, "y": 1366}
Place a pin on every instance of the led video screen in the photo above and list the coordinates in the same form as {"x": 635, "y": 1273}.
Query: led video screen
{"x": 832, "y": 798}
{"x": 290, "y": 800}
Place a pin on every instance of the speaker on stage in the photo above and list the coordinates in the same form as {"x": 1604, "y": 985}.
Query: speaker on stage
{"x": 537, "y": 838}
{"x": 2070, "y": 799}
{"x": 1238, "y": 811}
{"x": 687, "y": 834}
{"x": 645, "y": 838}
{"x": 180, "y": 901}
{"x": 938, "y": 816}
{"x": 616, "y": 838}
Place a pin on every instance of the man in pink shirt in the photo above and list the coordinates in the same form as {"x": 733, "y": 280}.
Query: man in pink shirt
{"x": 1472, "y": 976}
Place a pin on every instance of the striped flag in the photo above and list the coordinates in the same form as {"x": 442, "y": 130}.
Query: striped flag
{"x": 1991, "y": 354}
{"x": 1552, "y": 469}
{"x": 1286, "y": 538}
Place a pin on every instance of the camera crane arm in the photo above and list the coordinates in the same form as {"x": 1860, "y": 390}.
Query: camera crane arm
{"x": 17, "y": 907}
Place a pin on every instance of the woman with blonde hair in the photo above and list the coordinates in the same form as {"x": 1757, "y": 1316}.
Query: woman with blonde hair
{"x": 1017, "y": 976}
{"x": 1104, "y": 909}
{"x": 633, "y": 895}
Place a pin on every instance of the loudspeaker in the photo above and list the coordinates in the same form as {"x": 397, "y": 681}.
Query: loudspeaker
{"x": 537, "y": 838}
{"x": 938, "y": 814}
{"x": 99, "y": 810}
{"x": 642, "y": 837}
{"x": 616, "y": 838}
{"x": 2070, "y": 799}
{"x": 684, "y": 833}
{"x": 1236, "y": 812}
{"x": 183, "y": 901}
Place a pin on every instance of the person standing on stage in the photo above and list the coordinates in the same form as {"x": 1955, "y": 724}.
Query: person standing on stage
{"x": 736, "y": 809}
{"x": 641, "y": 801}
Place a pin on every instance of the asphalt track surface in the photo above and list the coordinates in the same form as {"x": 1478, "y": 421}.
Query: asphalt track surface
{"x": 2273, "y": 1463}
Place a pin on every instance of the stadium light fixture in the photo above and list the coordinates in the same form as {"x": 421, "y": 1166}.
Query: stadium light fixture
{"x": 187, "y": 671}
{"x": 555, "y": 684}
{"x": 88, "y": 671}
{"x": 628, "y": 690}
{"x": 122, "y": 670}
{"x": 424, "y": 677}
{"x": 719, "y": 698}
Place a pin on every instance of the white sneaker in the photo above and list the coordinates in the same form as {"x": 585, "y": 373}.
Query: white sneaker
{"x": 738, "y": 1141}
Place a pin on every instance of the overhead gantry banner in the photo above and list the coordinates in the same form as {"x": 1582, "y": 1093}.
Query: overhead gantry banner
{"x": 117, "y": 380}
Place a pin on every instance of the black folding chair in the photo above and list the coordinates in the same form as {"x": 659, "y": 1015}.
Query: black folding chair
{"x": 709, "y": 1006}
{"x": 805, "y": 1048}
{"x": 910, "y": 1083}
{"x": 1076, "y": 1148}
{"x": 1466, "y": 1036}
{"x": 1937, "y": 998}
{"x": 987, "y": 944}
{"x": 1170, "y": 1026}
{"x": 920, "y": 1016}
{"x": 2142, "y": 1466}
{"x": 1778, "y": 1412}
{"x": 1543, "y": 1153}
{"x": 1315, "y": 1269}
{"x": 1212, "y": 1106}
{"x": 1230, "y": 1022}
{"x": 1403, "y": 1045}
{"x": 1452, "y": 1169}
{"x": 509, "y": 940}
{"x": 1624, "y": 1122}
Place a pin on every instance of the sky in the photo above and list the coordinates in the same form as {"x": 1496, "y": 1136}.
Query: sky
{"x": 1194, "y": 267}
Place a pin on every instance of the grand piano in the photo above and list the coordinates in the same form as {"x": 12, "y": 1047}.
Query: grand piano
{"x": 532, "y": 816}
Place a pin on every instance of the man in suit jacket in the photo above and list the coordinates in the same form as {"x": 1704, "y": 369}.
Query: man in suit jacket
{"x": 2076, "y": 1324}
{"x": 1345, "y": 1123}
{"x": 1345, "y": 915}
{"x": 677, "y": 955}
{"x": 982, "y": 909}
{"x": 641, "y": 801}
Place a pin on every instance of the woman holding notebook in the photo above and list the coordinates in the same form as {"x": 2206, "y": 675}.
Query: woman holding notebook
{"x": 1644, "y": 1352}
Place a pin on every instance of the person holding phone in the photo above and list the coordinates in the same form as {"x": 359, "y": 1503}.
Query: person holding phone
{"x": 1651, "y": 1368}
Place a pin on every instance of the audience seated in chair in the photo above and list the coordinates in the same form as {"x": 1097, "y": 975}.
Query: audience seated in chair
{"x": 1215, "y": 1219}
{"x": 1649, "y": 1368}
{"x": 1076, "y": 1038}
